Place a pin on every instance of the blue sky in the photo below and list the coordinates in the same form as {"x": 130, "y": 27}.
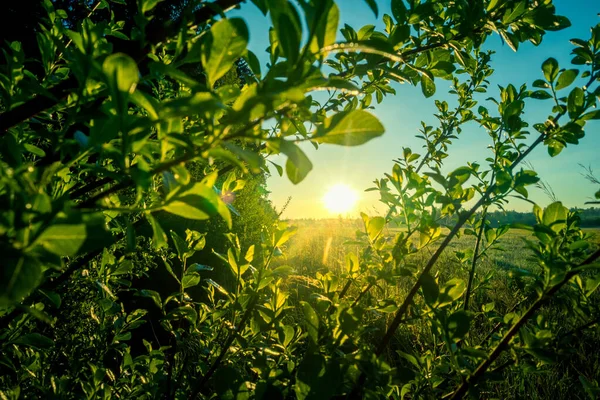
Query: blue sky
{"x": 402, "y": 115}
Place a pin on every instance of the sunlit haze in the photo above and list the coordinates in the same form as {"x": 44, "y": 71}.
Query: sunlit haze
{"x": 401, "y": 115}
{"x": 340, "y": 199}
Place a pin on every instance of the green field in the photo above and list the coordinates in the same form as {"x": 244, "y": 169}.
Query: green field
{"x": 320, "y": 246}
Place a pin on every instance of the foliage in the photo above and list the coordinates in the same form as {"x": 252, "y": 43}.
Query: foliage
{"x": 134, "y": 119}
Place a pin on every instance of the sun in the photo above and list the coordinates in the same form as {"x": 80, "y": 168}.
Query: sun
{"x": 340, "y": 198}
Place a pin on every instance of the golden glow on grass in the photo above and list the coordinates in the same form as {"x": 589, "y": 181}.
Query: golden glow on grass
{"x": 340, "y": 199}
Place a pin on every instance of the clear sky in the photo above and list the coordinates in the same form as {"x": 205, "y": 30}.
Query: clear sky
{"x": 402, "y": 115}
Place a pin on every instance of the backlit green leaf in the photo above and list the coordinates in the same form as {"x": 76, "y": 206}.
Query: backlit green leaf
{"x": 550, "y": 69}
{"x": 298, "y": 165}
{"x": 121, "y": 72}
{"x": 555, "y": 216}
{"x": 350, "y": 128}
{"x": 374, "y": 227}
{"x": 225, "y": 43}
{"x": 74, "y": 234}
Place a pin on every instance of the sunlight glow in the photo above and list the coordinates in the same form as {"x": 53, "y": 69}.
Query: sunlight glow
{"x": 340, "y": 198}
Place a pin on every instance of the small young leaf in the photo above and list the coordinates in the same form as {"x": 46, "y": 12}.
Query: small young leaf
{"x": 427, "y": 85}
{"x": 550, "y": 69}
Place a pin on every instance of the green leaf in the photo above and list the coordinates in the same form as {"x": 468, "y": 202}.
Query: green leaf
{"x": 225, "y": 43}
{"x": 575, "y": 102}
{"x": 503, "y": 182}
{"x": 298, "y": 165}
{"x": 184, "y": 312}
{"x": 159, "y": 237}
{"x": 350, "y": 128}
{"x": 198, "y": 201}
{"x": 458, "y": 325}
{"x": 513, "y": 13}
{"x": 121, "y": 71}
{"x": 312, "y": 322}
{"x": 34, "y": 150}
{"x": 286, "y": 23}
{"x": 566, "y": 78}
{"x": 190, "y": 279}
{"x": 442, "y": 69}
{"x": 540, "y": 95}
{"x": 373, "y": 5}
{"x": 555, "y": 216}
{"x": 155, "y": 296}
{"x": 35, "y": 340}
{"x": 454, "y": 289}
{"x": 539, "y": 83}
{"x": 550, "y": 69}
{"x": 148, "y": 5}
{"x": 427, "y": 85}
{"x": 281, "y": 236}
{"x": 316, "y": 378}
{"x": 461, "y": 174}
{"x": 52, "y": 296}
{"x": 591, "y": 115}
{"x": 399, "y": 11}
{"x": 74, "y": 234}
{"x": 374, "y": 227}
{"x": 430, "y": 288}
{"x": 326, "y": 27}
{"x": 554, "y": 147}
{"x": 180, "y": 245}
{"x": 19, "y": 276}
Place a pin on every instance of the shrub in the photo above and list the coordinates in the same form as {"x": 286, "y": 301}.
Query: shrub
{"x": 135, "y": 122}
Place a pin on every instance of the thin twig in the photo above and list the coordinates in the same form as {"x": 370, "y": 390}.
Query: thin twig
{"x": 483, "y": 367}
{"x": 475, "y": 259}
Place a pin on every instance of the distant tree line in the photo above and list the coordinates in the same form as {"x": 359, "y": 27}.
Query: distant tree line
{"x": 590, "y": 217}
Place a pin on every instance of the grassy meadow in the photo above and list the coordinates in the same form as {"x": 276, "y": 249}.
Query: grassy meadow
{"x": 320, "y": 246}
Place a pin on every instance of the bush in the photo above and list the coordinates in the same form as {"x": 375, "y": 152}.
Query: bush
{"x": 121, "y": 157}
